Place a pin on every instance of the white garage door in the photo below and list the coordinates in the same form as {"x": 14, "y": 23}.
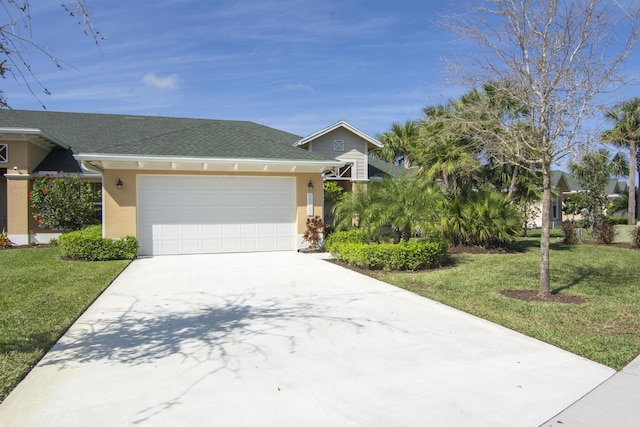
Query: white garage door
{"x": 187, "y": 214}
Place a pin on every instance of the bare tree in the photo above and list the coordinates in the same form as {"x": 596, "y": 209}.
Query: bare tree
{"x": 555, "y": 57}
{"x": 16, "y": 41}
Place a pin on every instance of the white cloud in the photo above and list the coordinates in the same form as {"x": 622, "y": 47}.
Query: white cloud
{"x": 298, "y": 87}
{"x": 169, "y": 82}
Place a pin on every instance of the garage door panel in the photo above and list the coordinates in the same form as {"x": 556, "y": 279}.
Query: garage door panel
{"x": 181, "y": 214}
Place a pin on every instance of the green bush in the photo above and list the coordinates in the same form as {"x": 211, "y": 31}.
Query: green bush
{"x": 404, "y": 256}
{"x": 88, "y": 244}
{"x": 618, "y": 221}
{"x": 354, "y": 235}
{"x": 481, "y": 219}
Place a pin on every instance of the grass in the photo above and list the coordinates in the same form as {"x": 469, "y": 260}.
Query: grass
{"x": 40, "y": 297}
{"x": 605, "y": 329}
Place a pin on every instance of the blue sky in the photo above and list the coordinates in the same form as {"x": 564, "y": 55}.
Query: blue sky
{"x": 295, "y": 65}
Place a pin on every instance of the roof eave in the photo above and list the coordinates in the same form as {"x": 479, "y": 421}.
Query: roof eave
{"x": 335, "y": 126}
{"x": 33, "y": 135}
{"x": 137, "y": 162}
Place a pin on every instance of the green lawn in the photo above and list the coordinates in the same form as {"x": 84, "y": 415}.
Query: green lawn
{"x": 40, "y": 297}
{"x": 605, "y": 329}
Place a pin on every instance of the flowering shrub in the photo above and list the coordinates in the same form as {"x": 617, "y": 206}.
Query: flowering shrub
{"x": 63, "y": 203}
{"x": 4, "y": 240}
{"x": 313, "y": 232}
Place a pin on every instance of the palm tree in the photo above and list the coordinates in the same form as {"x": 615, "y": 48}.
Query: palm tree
{"x": 410, "y": 206}
{"x": 398, "y": 142}
{"x": 626, "y": 133}
{"x": 444, "y": 151}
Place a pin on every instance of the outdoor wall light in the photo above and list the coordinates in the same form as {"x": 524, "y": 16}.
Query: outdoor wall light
{"x": 119, "y": 183}
{"x": 310, "y": 185}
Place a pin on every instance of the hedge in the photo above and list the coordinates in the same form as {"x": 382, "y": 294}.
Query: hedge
{"x": 403, "y": 256}
{"x": 354, "y": 235}
{"x": 88, "y": 244}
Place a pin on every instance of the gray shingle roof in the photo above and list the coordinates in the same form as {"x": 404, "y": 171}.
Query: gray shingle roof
{"x": 378, "y": 167}
{"x": 88, "y": 133}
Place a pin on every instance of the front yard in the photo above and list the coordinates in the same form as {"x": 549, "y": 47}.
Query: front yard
{"x": 40, "y": 297}
{"x": 605, "y": 328}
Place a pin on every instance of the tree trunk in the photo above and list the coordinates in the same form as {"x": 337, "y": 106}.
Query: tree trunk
{"x": 632, "y": 182}
{"x": 514, "y": 178}
{"x": 406, "y": 233}
{"x": 545, "y": 279}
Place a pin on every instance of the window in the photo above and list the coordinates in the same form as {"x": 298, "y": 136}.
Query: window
{"x": 4, "y": 156}
{"x": 338, "y": 145}
{"x": 554, "y": 211}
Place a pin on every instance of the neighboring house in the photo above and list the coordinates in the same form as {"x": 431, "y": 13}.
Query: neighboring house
{"x": 563, "y": 184}
{"x": 345, "y": 143}
{"x": 179, "y": 185}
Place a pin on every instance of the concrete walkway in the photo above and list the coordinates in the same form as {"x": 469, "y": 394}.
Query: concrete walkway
{"x": 616, "y": 402}
{"x": 284, "y": 339}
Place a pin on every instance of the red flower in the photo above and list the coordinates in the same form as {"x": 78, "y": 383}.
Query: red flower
{"x": 39, "y": 219}
{"x": 28, "y": 195}
{"x": 46, "y": 175}
{"x": 45, "y": 191}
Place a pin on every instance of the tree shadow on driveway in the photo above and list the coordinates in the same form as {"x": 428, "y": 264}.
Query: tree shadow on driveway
{"x": 139, "y": 336}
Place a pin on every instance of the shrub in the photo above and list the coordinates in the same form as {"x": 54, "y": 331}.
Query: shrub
{"x": 617, "y": 220}
{"x": 336, "y": 238}
{"x": 635, "y": 238}
{"x": 4, "y": 240}
{"x": 605, "y": 232}
{"x": 569, "y": 230}
{"x": 65, "y": 203}
{"x": 313, "y": 232}
{"x": 88, "y": 244}
{"x": 483, "y": 219}
{"x": 404, "y": 256}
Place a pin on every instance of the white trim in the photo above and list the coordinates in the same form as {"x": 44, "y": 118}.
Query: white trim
{"x": 19, "y": 239}
{"x": 101, "y": 162}
{"x": 335, "y": 126}
{"x": 40, "y": 136}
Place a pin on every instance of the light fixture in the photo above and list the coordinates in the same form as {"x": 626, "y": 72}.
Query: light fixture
{"x": 119, "y": 183}
{"x": 310, "y": 185}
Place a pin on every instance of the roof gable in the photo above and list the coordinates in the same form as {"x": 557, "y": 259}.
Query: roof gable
{"x": 372, "y": 142}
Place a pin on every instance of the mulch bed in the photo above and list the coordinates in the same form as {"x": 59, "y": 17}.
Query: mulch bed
{"x": 527, "y": 295}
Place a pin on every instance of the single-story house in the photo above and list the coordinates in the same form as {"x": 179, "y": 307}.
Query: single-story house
{"x": 563, "y": 185}
{"x": 179, "y": 185}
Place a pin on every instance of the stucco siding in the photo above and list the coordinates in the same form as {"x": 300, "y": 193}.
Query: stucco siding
{"x": 120, "y": 213}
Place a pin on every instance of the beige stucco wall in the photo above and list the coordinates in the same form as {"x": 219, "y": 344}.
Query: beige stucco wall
{"x": 18, "y": 207}
{"x": 24, "y": 156}
{"x": 355, "y": 148}
{"x": 120, "y": 214}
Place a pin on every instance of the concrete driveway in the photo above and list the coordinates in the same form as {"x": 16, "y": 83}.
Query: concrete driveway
{"x": 287, "y": 339}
